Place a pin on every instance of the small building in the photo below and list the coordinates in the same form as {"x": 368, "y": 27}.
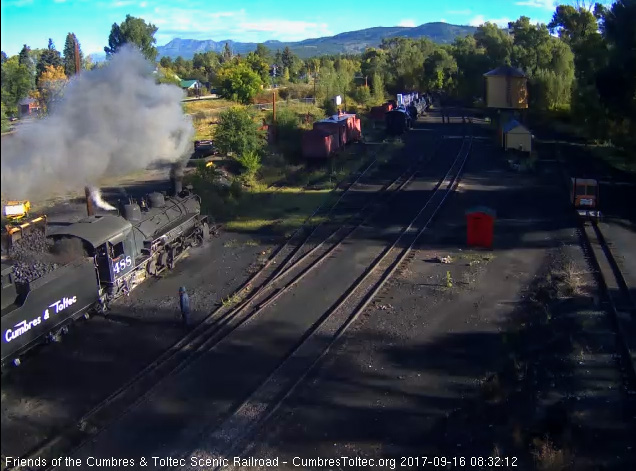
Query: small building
{"x": 192, "y": 87}
{"x": 506, "y": 87}
{"x": 516, "y": 137}
{"x": 28, "y": 107}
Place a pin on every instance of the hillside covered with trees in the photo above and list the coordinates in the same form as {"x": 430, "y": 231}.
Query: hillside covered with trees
{"x": 582, "y": 65}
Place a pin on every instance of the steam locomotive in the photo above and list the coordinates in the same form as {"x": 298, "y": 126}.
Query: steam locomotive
{"x": 118, "y": 253}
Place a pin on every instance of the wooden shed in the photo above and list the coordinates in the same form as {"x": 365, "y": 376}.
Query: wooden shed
{"x": 506, "y": 87}
{"x": 319, "y": 143}
{"x": 28, "y": 107}
{"x": 516, "y": 137}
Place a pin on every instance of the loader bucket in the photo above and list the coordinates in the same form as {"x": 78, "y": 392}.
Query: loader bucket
{"x": 16, "y": 232}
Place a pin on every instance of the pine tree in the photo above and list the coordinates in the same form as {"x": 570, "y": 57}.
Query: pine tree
{"x": 50, "y": 56}
{"x": 227, "y": 53}
{"x": 26, "y": 60}
{"x": 69, "y": 54}
{"x": 24, "y": 57}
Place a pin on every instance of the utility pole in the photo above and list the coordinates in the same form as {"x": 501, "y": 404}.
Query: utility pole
{"x": 315, "y": 78}
{"x": 77, "y": 58}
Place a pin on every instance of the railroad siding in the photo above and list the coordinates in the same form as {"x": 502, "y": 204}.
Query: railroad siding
{"x": 406, "y": 379}
{"x": 207, "y": 389}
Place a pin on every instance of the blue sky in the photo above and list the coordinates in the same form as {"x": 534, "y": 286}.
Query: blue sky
{"x": 34, "y": 21}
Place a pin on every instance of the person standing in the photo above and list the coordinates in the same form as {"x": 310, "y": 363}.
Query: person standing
{"x": 184, "y": 303}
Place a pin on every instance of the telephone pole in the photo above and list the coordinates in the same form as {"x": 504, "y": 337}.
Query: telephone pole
{"x": 77, "y": 58}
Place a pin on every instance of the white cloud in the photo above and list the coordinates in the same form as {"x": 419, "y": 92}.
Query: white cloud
{"x": 478, "y": 20}
{"x": 545, "y": 4}
{"x": 59, "y": 1}
{"x": 443, "y": 20}
{"x": 195, "y": 23}
{"x": 286, "y": 28}
{"x": 123, "y": 3}
{"x": 143, "y": 4}
{"x": 407, "y": 23}
{"x": 458, "y": 12}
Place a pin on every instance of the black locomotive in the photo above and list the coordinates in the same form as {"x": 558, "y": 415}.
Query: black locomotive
{"x": 398, "y": 121}
{"x": 118, "y": 253}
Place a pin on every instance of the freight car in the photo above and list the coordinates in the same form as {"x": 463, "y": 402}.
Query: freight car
{"x": 96, "y": 260}
{"x": 398, "y": 121}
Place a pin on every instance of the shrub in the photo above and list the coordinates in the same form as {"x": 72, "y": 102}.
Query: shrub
{"x": 237, "y": 132}
{"x": 251, "y": 163}
{"x": 362, "y": 95}
{"x": 330, "y": 107}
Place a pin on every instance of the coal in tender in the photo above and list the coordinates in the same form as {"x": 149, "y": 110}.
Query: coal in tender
{"x": 34, "y": 255}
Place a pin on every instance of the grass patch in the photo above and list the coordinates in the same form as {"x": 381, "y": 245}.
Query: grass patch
{"x": 215, "y": 104}
{"x": 569, "y": 281}
{"x": 280, "y": 210}
{"x": 231, "y": 300}
{"x": 284, "y": 195}
{"x": 548, "y": 457}
{"x": 615, "y": 158}
{"x": 231, "y": 243}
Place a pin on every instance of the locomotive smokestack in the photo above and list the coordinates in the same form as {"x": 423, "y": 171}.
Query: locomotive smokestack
{"x": 89, "y": 201}
{"x": 176, "y": 178}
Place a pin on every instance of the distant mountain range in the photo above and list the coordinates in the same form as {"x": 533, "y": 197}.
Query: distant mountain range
{"x": 352, "y": 42}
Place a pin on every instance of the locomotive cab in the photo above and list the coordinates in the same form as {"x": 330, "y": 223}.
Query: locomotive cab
{"x": 584, "y": 194}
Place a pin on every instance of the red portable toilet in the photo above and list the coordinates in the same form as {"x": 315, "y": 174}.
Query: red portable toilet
{"x": 480, "y": 223}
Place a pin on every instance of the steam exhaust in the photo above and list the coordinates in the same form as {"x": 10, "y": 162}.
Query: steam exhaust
{"x": 176, "y": 178}
{"x": 99, "y": 201}
{"x": 94, "y": 197}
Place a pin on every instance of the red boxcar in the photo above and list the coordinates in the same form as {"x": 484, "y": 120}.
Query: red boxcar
{"x": 319, "y": 143}
{"x": 377, "y": 113}
{"x": 337, "y": 126}
{"x": 354, "y": 129}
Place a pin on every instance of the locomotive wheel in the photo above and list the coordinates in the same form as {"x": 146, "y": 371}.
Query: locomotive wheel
{"x": 206, "y": 231}
{"x": 171, "y": 256}
{"x": 162, "y": 259}
{"x": 151, "y": 268}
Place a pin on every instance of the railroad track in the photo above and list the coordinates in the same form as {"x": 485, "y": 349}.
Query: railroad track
{"x": 305, "y": 249}
{"x": 615, "y": 295}
{"x": 614, "y": 292}
{"x": 229, "y": 438}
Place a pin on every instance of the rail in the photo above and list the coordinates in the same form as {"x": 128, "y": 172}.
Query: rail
{"x": 210, "y": 331}
{"x": 228, "y": 439}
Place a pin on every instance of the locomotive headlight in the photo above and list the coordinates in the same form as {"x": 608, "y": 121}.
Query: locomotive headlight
{"x": 16, "y": 209}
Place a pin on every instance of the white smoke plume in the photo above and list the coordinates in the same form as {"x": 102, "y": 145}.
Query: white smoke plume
{"x": 110, "y": 122}
{"x": 96, "y": 196}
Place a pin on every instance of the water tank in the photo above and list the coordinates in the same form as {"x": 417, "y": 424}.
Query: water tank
{"x": 132, "y": 212}
{"x": 156, "y": 200}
